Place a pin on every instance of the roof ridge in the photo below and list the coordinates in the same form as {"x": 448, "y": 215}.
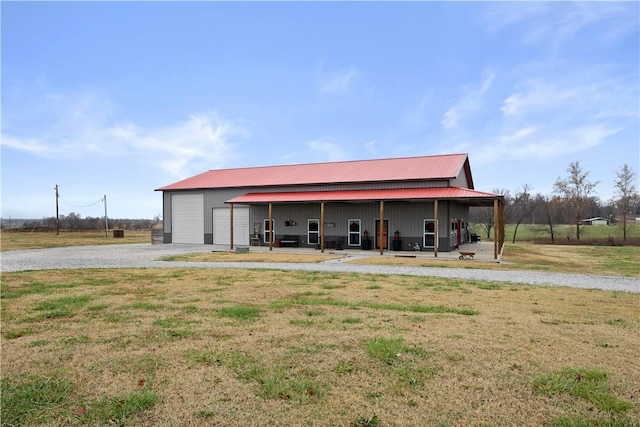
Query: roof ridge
{"x": 339, "y": 162}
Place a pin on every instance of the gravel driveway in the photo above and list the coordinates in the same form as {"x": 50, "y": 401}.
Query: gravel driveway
{"x": 147, "y": 256}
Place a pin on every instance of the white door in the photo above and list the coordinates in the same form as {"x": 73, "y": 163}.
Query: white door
{"x": 221, "y": 221}
{"x": 187, "y": 218}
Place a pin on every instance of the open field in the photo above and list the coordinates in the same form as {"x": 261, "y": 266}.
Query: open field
{"x": 600, "y": 260}
{"x": 196, "y": 347}
{"x": 11, "y": 241}
{"x": 565, "y": 234}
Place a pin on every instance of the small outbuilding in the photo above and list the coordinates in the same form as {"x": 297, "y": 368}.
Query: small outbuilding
{"x": 412, "y": 203}
{"x": 595, "y": 221}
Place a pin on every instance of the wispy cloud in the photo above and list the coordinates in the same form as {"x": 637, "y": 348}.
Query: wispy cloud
{"x": 539, "y": 96}
{"x": 81, "y": 124}
{"x": 584, "y": 98}
{"x": 547, "y": 116}
{"x": 556, "y": 23}
{"x": 540, "y": 143}
{"x": 203, "y": 141}
{"x": 328, "y": 150}
{"x": 337, "y": 82}
{"x": 471, "y": 101}
{"x": 371, "y": 147}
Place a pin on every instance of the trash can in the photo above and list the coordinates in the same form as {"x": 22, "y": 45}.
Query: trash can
{"x": 118, "y": 234}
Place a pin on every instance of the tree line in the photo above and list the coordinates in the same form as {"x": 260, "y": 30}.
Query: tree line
{"x": 571, "y": 202}
{"x": 74, "y": 222}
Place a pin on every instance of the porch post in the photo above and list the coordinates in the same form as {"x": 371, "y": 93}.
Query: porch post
{"x": 501, "y": 213}
{"x": 231, "y": 224}
{"x": 496, "y": 226}
{"x": 435, "y": 229}
{"x": 270, "y": 226}
{"x": 379, "y": 231}
{"x": 322, "y": 227}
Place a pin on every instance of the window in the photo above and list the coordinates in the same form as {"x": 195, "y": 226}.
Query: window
{"x": 354, "y": 232}
{"x": 313, "y": 231}
{"x": 429, "y": 233}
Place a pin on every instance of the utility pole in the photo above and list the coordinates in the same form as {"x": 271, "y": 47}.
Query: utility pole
{"x": 106, "y": 221}
{"x": 57, "y": 213}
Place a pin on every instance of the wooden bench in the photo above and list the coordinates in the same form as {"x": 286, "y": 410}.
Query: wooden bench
{"x": 466, "y": 255}
{"x": 289, "y": 241}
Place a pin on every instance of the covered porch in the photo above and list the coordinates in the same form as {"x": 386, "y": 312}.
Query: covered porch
{"x": 381, "y": 197}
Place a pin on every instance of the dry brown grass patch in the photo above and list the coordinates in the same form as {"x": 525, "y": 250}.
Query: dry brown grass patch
{"x": 304, "y": 358}
{"x": 11, "y": 241}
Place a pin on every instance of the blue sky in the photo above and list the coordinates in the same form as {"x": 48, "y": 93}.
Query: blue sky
{"x": 120, "y": 98}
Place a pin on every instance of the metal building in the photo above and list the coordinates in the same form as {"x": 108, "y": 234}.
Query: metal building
{"x": 412, "y": 203}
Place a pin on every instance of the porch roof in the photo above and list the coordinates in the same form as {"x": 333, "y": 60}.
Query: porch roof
{"x": 464, "y": 195}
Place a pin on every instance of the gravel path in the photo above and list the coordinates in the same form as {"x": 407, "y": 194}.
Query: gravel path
{"x": 147, "y": 256}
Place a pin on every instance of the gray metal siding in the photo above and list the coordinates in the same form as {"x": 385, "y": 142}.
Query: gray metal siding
{"x": 406, "y": 217}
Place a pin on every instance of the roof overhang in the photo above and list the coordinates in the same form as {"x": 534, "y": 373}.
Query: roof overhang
{"x": 463, "y": 195}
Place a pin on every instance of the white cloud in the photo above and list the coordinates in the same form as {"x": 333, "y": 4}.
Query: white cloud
{"x": 330, "y": 151}
{"x": 337, "y": 82}
{"x": 557, "y": 23}
{"x": 539, "y": 96}
{"x": 81, "y": 124}
{"x": 371, "y": 147}
{"x": 540, "y": 143}
{"x": 28, "y": 145}
{"x": 471, "y": 102}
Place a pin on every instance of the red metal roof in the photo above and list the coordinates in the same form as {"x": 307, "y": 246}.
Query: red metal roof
{"x": 440, "y": 193}
{"x": 440, "y": 167}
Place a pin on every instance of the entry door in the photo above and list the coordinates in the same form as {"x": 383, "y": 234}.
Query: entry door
{"x": 382, "y": 234}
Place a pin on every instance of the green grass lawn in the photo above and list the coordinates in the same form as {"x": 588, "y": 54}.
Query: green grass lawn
{"x": 592, "y": 234}
{"x": 203, "y": 347}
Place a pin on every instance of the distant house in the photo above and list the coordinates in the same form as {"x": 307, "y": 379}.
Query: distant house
{"x": 595, "y": 221}
{"x": 413, "y": 203}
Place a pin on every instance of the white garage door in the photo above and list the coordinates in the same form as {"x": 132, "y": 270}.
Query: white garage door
{"x": 187, "y": 218}
{"x": 221, "y": 235}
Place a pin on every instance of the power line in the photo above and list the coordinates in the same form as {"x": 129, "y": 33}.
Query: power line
{"x": 83, "y": 206}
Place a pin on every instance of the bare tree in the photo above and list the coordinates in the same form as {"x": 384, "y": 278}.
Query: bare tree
{"x": 483, "y": 216}
{"x": 546, "y": 211}
{"x": 523, "y": 205}
{"x": 626, "y": 193}
{"x": 576, "y": 192}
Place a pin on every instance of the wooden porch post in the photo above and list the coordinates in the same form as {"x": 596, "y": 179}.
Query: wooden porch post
{"x": 231, "y": 225}
{"x": 379, "y": 231}
{"x": 435, "y": 228}
{"x": 496, "y": 226}
{"x": 322, "y": 227}
{"x": 501, "y": 223}
{"x": 270, "y": 226}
